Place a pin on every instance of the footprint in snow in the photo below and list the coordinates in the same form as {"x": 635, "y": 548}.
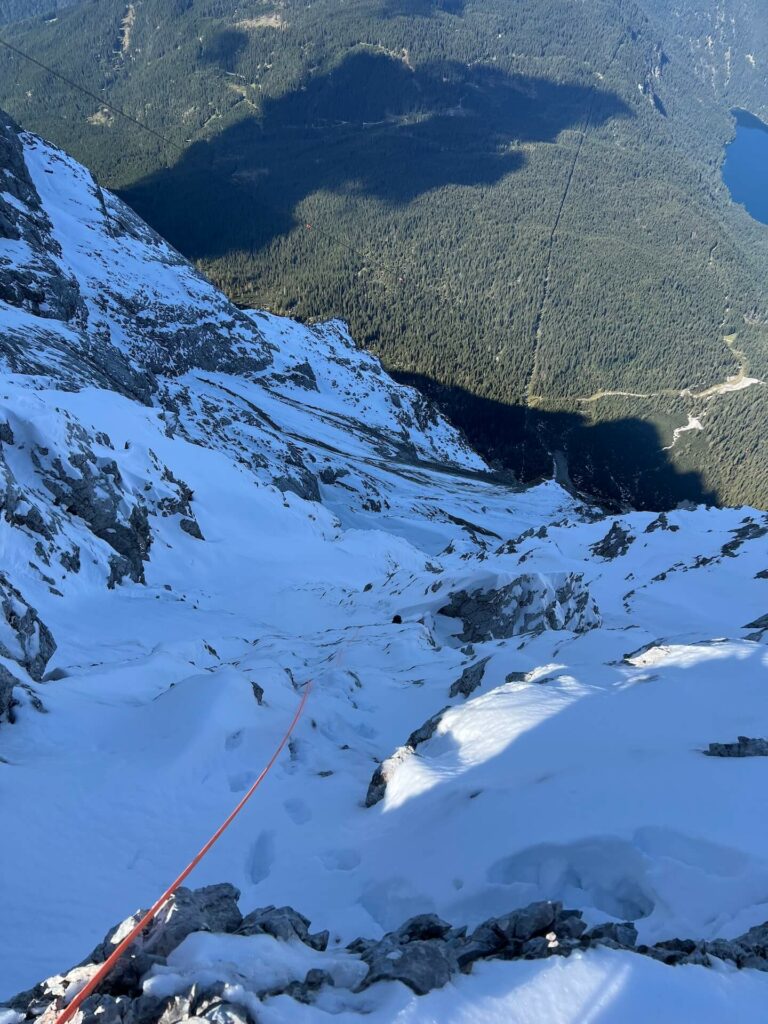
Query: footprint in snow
{"x": 240, "y": 781}
{"x": 233, "y": 741}
{"x": 340, "y": 860}
{"x": 259, "y": 862}
{"x": 298, "y": 811}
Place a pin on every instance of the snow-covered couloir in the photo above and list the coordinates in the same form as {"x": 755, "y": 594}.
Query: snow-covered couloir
{"x": 513, "y": 699}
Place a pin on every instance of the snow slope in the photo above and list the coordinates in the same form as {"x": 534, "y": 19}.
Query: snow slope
{"x": 205, "y": 509}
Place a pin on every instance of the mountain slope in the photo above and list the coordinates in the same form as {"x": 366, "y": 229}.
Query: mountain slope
{"x": 202, "y": 509}
{"x": 728, "y": 45}
{"x": 517, "y": 205}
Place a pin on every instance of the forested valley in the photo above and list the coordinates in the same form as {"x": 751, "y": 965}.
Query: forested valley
{"x": 517, "y": 205}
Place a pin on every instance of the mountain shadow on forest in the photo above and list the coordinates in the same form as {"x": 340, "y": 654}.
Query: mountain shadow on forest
{"x": 372, "y": 126}
{"x": 618, "y": 462}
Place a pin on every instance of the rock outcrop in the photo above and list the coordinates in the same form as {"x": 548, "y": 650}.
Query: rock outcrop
{"x": 7, "y": 700}
{"x": 531, "y": 603}
{"x": 377, "y": 787}
{"x": 469, "y": 680}
{"x": 283, "y": 923}
{"x": 616, "y": 542}
{"x": 24, "y": 638}
{"x": 744, "y": 746}
{"x": 424, "y": 954}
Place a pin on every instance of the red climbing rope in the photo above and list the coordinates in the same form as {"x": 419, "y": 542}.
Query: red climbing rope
{"x": 110, "y": 962}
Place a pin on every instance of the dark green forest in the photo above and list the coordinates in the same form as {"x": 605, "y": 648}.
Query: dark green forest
{"x": 516, "y": 203}
{"x": 22, "y": 10}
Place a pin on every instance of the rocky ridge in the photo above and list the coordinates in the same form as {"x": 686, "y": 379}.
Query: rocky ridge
{"x": 424, "y": 954}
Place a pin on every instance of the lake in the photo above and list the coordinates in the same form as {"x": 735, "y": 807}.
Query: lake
{"x": 745, "y": 170}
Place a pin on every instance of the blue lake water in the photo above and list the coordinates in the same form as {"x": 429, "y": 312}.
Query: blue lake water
{"x": 745, "y": 170}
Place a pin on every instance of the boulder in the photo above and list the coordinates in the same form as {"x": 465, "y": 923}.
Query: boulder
{"x": 421, "y": 965}
{"x": 227, "y": 1013}
{"x": 620, "y": 935}
{"x": 759, "y": 628}
{"x": 512, "y": 935}
{"x": 212, "y": 908}
{"x": 178, "y": 1008}
{"x": 305, "y": 991}
{"x": 191, "y": 527}
{"x": 568, "y": 927}
{"x": 670, "y": 952}
{"x": 316, "y": 978}
{"x": 534, "y": 920}
{"x": 485, "y": 941}
{"x": 536, "y": 949}
{"x": 423, "y": 926}
{"x": 283, "y": 923}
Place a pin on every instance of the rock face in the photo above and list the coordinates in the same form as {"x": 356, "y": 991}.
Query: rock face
{"x": 470, "y": 679}
{"x": 7, "y": 701}
{"x": 759, "y": 627}
{"x": 301, "y": 483}
{"x": 93, "y": 490}
{"x": 617, "y": 541}
{"x": 129, "y": 330}
{"x": 62, "y": 488}
{"x": 377, "y": 787}
{"x": 743, "y": 747}
{"x": 37, "y": 284}
{"x": 23, "y": 636}
{"x": 531, "y": 603}
{"x": 427, "y": 730}
{"x": 39, "y": 287}
{"x": 92, "y": 298}
{"x": 381, "y": 776}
